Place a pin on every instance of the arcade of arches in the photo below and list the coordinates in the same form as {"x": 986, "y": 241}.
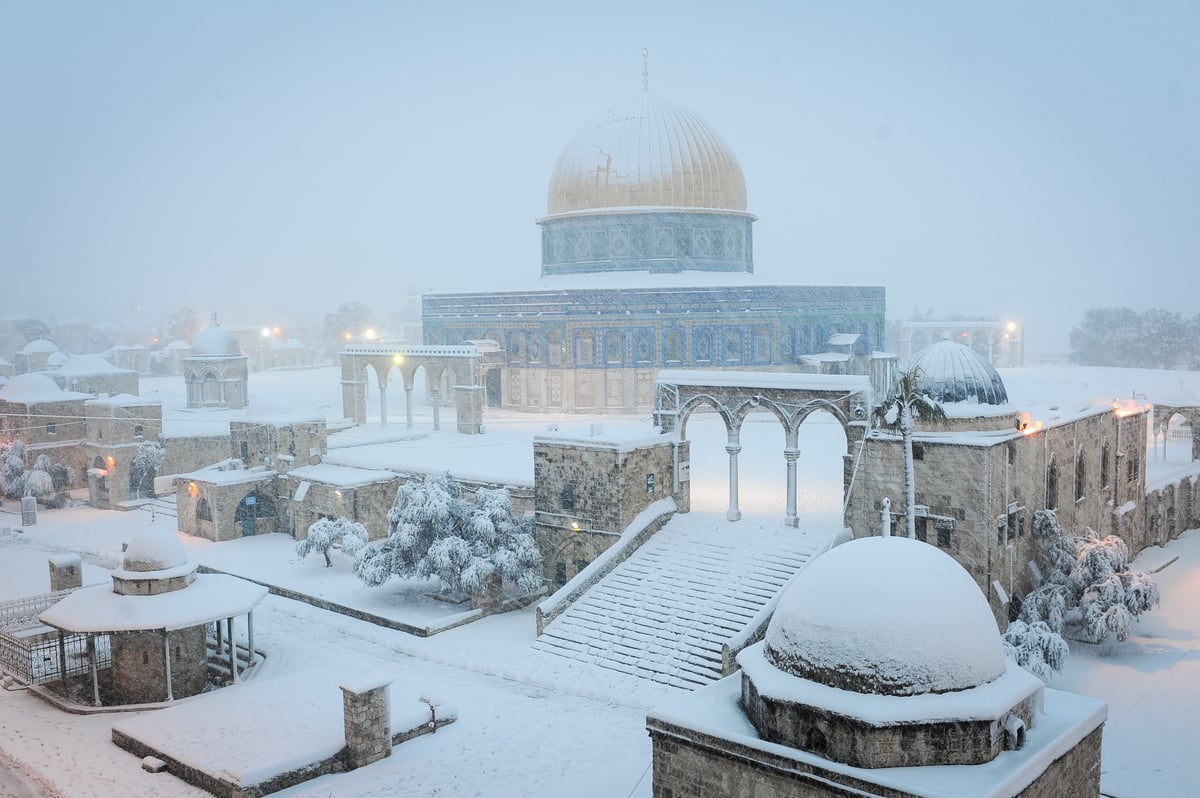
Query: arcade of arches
{"x": 463, "y": 364}
{"x": 791, "y": 398}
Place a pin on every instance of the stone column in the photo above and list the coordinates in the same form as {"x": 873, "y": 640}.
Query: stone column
{"x": 66, "y": 572}
{"x": 733, "y": 447}
{"x": 791, "y": 455}
{"x": 437, "y": 418}
{"x": 382, "y": 404}
{"x": 408, "y": 389}
{"x": 367, "y": 716}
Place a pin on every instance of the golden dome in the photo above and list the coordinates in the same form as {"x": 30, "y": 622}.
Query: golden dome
{"x": 646, "y": 152}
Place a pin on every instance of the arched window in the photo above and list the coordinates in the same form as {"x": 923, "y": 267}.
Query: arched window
{"x": 643, "y": 347}
{"x": 1080, "y": 477}
{"x": 554, "y": 348}
{"x": 1052, "y": 487}
{"x": 733, "y": 346}
{"x": 585, "y": 349}
{"x": 210, "y": 389}
{"x": 673, "y": 346}
{"x": 703, "y": 346}
{"x": 1104, "y": 464}
{"x": 203, "y": 510}
{"x": 614, "y": 348}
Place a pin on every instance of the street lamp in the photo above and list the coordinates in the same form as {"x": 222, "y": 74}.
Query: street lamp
{"x": 262, "y": 346}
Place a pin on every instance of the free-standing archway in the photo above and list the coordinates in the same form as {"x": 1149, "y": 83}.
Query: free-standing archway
{"x": 790, "y": 397}
{"x": 463, "y": 362}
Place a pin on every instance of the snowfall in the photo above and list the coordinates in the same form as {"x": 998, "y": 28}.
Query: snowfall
{"x": 529, "y": 723}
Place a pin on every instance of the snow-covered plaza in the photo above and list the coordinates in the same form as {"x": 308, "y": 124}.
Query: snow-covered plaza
{"x": 531, "y": 723}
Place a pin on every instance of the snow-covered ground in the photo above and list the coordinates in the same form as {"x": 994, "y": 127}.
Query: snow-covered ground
{"x": 533, "y": 724}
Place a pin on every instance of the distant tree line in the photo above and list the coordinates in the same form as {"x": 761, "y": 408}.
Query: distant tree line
{"x": 1153, "y": 338}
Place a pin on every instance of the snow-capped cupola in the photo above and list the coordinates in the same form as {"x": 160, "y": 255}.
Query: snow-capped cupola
{"x": 215, "y": 341}
{"x": 884, "y": 653}
{"x": 917, "y": 624}
{"x": 956, "y": 373}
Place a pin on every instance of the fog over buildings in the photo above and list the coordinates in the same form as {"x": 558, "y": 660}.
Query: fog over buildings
{"x": 1020, "y": 161}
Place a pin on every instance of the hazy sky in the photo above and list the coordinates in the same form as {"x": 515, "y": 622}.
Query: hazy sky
{"x": 1017, "y": 159}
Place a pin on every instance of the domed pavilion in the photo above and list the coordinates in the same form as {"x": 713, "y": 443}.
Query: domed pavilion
{"x": 216, "y": 371}
{"x": 883, "y": 673}
{"x": 154, "y": 621}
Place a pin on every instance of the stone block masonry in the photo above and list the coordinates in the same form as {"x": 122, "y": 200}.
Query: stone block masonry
{"x": 367, "y": 721}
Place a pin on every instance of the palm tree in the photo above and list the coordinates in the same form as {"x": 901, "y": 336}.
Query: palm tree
{"x": 904, "y": 404}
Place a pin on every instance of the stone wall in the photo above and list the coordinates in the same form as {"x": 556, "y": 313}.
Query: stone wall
{"x": 1172, "y": 508}
{"x": 691, "y": 764}
{"x": 278, "y": 445}
{"x": 981, "y": 491}
{"x": 588, "y": 491}
{"x": 137, "y": 665}
{"x": 184, "y": 453}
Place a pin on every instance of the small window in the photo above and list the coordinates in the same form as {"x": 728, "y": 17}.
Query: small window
{"x": 560, "y": 573}
{"x": 137, "y": 432}
{"x": 944, "y": 537}
{"x": 922, "y": 527}
{"x": 1104, "y": 460}
{"x": 1080, "y": 477}
{"x": 649, "y": 484}
{"x": 918, "y": 451}
{"x": 1052, "y": 487}
{"x": 568, "y": 497}
{"x": 51, "y": 428}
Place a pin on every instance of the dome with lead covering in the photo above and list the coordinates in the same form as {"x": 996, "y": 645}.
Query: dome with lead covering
{"x": 952, "y": 372}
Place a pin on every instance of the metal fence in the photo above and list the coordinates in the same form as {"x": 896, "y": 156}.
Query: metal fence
{"x": 34, "y": 653}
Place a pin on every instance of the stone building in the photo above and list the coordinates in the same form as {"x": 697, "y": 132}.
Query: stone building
{"x": 155, "y": 617}
{"x": 95, "y": 375}
{"x": 227, "y": 501}
{"x": 881, "y": 673}
{"x": 34, "y": 356}
{"x": 587, "y": 491}
{"x": 647, "y": 263}
{"x": 116, "y": 428}
{"x": 982, "y": 473}
{"x": 216, "y": 370}
{"x": 49, "y": 420}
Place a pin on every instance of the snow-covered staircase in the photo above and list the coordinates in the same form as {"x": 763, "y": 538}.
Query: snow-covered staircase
{"x": 664, "y": 613}
{"x": 160, "y": 505}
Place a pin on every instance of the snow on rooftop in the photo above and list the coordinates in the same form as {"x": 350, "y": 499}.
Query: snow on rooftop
{"x": 154, "y": 550}
{"x": 33, "y": 388}
{"x": 341, "y": 476}
{"x": 123, "y": 400}
{"x": 99, "y": 610}
{"x": 764, "y": 379}
{"x": 886, "y": 615}
{"x": 89, "y": 364}
{"x": 39, "y": 345}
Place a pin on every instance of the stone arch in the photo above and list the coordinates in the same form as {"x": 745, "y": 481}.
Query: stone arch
{"x": 789, "y": 398}
{"x": 256, "y": 513}
{"x": 464, "y": 363}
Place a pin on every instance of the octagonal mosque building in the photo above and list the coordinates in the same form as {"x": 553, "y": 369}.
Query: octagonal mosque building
{"x": 647, "y": 263}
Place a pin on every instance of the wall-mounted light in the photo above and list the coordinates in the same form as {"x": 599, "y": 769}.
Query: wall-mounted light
{"x": 193, "y": 490}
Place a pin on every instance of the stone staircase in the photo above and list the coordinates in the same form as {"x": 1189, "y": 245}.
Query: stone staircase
{"x": 665, "y": 612}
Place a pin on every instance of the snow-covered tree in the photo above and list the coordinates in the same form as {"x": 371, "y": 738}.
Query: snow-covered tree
{"x": 144, "y": 467}
{"x": 1087, "y": 585}
{"x": 904, "y": 404}
{"x": 469, "y": 546}
{"x": 327, "y": 533}
{"x": 1036, "y": 648}
{"x": 12, "y": 469}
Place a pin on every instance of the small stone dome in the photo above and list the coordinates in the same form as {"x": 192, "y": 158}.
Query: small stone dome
{"x": 956, "y": 373}
{"x": 154, "y": 550}
{"x": 215, "y": 341}
{"x": 39, "y": 345}
{"x": 646, "y": 151}
{"x": 889, "y": 616}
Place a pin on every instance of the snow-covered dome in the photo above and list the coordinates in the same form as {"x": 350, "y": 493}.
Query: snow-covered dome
{"x": 952, "y": 372}
{"x": 27, "y": 388}
{"x": 154, "y": 550}
{"x": 215, "y": 341}
{"x": 39, "y": 345}
{"x": 87, "y": 364}
{"x": 889, "y": 616}
{"x": 646, "y": 151}
{"x": 57, "y": 358}
{"x": 178, "y": 344}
